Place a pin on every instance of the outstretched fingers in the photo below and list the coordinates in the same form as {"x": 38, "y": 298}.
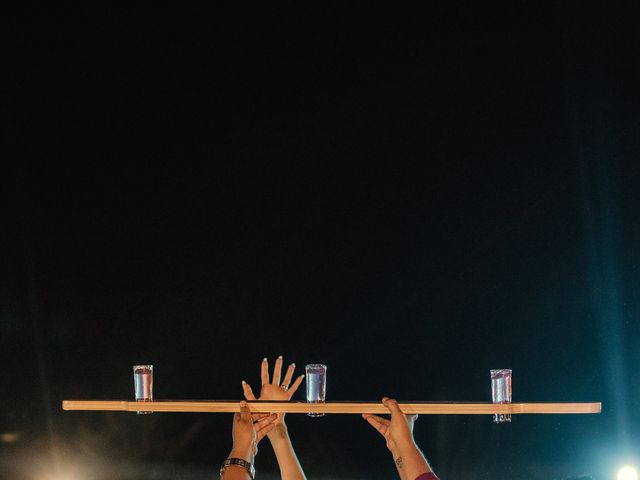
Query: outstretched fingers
{"x": 248, "y": 394}
{"x": 246, "y": 390}
{"x": 264, "y": 371}
{"x": 379, "y": 423}
{"x": 277, "y": 371}
{"x": 288, "y": 376}
{"x": 264, "y": 426}
{"x": 295, "y": 385}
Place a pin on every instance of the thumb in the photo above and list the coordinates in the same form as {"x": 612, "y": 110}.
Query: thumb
{"x": 391, "y": 405}
{"x": 245, "y": 413}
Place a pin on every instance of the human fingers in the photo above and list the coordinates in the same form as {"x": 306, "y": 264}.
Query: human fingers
{"x": 392, "y": 406}
{"x": 288, "y": 376}
{"x": 258, "y": 416}
{"x": 252, "y": 417}
{"x": 243, "y": 432}
{"x": 379, "y": 423}
{"x": 245, "y": 413}
{"x": 248, "y": 393}
{"x": 277, "y": 371}
{"x": 296, "y": 384}
{"x": 260, "y": 435}
{"x": 280, "y": 418}
{"x": 264, "y": 371}
{"x": 376, "y": 418}
{"x": 264, "y": 426}
{"x": 265, "y": 421}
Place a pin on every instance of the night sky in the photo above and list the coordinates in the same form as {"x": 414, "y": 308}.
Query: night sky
{"x": 412, "y": 197}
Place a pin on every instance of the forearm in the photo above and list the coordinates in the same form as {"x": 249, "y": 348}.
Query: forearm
{"x": 398, "y": 462}
{"x": 410, "y": 462}
{"x": 290, "y": 468}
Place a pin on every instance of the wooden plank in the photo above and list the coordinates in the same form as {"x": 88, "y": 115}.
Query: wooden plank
{"x": 423, "y": 408}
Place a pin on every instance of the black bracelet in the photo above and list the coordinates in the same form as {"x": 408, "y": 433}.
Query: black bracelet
{"x": 241, "y": 463}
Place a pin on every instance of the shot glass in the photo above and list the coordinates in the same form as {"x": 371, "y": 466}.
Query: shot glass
{"x": 316, "y": 376}
{"x": 501, "y": 392}
{"x": 143, "y": 384}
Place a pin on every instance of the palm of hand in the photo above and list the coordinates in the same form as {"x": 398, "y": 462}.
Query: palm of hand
{"x": 397, "y": 430}
{"x": 274, "y": 392}
{"x": 400, "y": 429}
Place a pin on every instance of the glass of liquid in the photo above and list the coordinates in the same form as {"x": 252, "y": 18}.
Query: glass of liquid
{"x": 501, "y": 392}
{"x": 316, "y": 376}
{"x": 143, "y": 384}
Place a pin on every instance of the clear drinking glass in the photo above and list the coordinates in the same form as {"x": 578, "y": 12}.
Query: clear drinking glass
{"x": 143, "y": 383}
{"x": 501, "y": 392}
{"x": 316, "y": 376}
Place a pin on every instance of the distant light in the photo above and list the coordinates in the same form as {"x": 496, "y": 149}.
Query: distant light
{"x": 62, "y": 476}
{"x": 9, "y": 437}
{"x": 627, "y": 473}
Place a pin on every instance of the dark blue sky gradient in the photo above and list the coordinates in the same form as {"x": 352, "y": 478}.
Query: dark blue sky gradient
{"x": 412, "y": 199}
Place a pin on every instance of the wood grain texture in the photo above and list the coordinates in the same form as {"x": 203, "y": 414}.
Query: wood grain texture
{"x": 423, "y": 408}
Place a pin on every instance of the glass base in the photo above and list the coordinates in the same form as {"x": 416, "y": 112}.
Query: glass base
{"x": 501, "y": 417}
{"x": 142, "y": 400}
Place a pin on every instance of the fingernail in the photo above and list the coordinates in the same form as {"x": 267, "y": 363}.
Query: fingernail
{"x": 293, "y": 364}
{"x": 264, "y": 359}
{"x": 243, "y": 382}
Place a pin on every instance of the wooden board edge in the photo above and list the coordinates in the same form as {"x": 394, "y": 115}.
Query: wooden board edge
{"x": 334, "y": 407}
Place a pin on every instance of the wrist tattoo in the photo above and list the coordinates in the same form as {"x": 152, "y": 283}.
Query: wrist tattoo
{"x": 398, "y": 462}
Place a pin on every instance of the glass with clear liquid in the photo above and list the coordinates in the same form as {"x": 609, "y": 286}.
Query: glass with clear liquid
{"x": 316, "y": 376}
{"x": 143, "y": 384}
{"x": 501, "y": 392}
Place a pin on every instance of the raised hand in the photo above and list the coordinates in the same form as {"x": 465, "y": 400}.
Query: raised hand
{"x": 274, "y": 389}
{"x": 397, "y": 431}
{"x": 246, "y": 433}
{"x": 290, "y": 468}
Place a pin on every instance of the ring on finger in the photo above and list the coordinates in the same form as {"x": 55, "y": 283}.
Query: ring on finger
{"x": 285, "y": 387}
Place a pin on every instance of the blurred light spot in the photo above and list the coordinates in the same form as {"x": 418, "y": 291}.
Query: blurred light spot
{"x": 9, "y": 437}
{"x": 627, "y": 473}
{"x": 70, "y": 475}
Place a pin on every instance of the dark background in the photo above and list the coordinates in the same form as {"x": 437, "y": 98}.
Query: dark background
{"x": 412, "y": 197}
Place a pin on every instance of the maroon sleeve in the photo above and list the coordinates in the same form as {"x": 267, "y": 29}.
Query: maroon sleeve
{"x": 428, "y": 476}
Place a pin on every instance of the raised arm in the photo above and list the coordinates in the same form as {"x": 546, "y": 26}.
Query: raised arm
{"x": 246, "y": 434}
{"x": 273, "y": 389}
{"x": 398, "y": 433}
